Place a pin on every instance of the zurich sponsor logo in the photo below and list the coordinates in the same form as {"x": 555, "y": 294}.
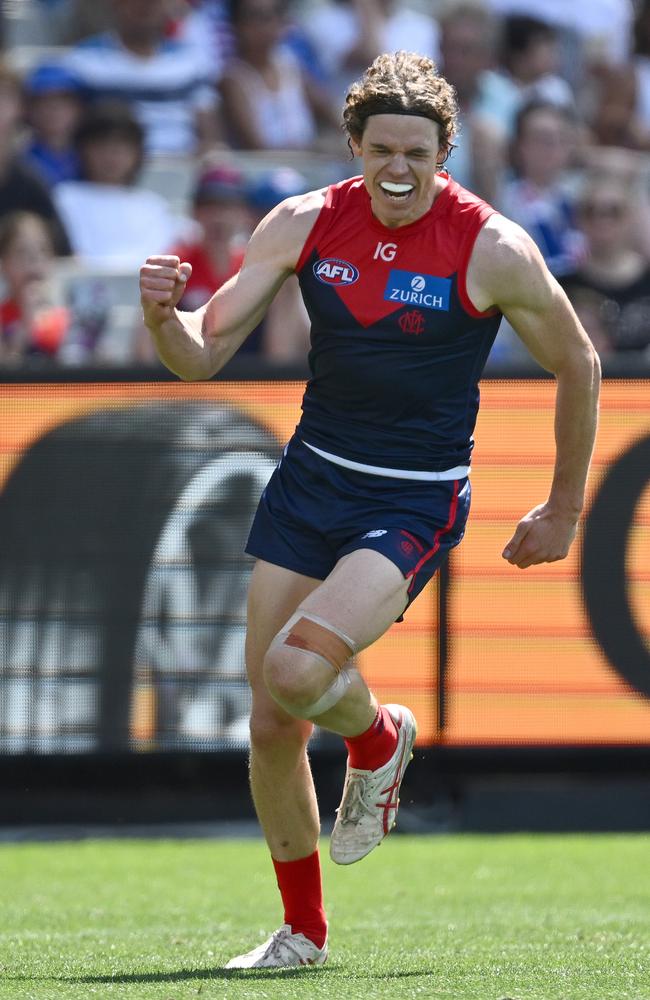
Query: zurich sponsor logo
{"x": 424, "y": 290}
{"x": 332, "y": 271}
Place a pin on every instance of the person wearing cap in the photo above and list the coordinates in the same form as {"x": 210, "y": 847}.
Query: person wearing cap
{"x": 227, "y": 208}
{"x": 54, "y": 107}
{"x": 217, "y": 252}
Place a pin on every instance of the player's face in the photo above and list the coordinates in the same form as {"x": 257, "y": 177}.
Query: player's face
{"x": 400, "y": 155}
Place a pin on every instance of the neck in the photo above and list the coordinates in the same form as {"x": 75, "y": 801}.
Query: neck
{"x": 259, "y": 58}
{"x": 541, "y": 183}
{"x": 142, "y": 44}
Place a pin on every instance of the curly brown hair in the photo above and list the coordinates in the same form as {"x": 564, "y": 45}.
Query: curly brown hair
{"x": 402, "y": 83}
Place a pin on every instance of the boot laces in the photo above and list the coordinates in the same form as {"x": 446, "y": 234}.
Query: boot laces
{"x": 280, "y": 944}
{"x": 355, "y": 806}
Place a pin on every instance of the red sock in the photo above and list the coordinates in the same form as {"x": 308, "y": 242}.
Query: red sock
{"x": 376, "y": 746}
{"x": 300, "y": 886}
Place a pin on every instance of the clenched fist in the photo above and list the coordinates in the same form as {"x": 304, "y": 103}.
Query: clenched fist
{"x": 543, "y": 535}
{"x": 162, "y": 283}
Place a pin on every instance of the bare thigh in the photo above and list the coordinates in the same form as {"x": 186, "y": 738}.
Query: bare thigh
{"x": 363, "y": 595}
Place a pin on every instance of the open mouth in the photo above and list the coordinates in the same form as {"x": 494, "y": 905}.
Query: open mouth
{"x": 396, "y": 192}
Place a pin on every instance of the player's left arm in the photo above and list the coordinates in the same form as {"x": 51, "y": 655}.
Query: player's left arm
{"x": 507, "y": 270}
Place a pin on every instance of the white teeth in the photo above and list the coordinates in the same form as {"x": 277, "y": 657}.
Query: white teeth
{"x": 396, "y": 188}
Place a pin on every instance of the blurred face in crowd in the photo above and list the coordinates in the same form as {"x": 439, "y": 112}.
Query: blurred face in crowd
{"x": 259, "y": 25}
{"x": 605, "y": 216}
{"x": 111, "y": 159}
{"x": 465, "y": 54}
{"x": 539, "y": 59}
{"x": 543, "y": 148}
{"x": 55, "y": 115}
{"x": 141, "y": 22}
{"x": 613, "y": 122}
{"x": 28, "y": 255}
{"x": 221, "y": 221}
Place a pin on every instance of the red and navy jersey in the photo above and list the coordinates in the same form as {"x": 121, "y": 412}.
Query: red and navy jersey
{"x": 397, "y": 348}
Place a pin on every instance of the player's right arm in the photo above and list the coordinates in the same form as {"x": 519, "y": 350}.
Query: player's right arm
{"x": 196, "y": 345}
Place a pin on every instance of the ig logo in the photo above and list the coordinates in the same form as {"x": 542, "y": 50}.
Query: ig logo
{"x": 386, "y": 251}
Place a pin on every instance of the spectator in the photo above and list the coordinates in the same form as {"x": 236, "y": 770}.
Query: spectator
{"x": 207, "y": 25}
{"x": 31, "y": 326}
{"x": 612, "y": 285}
{"x": 168, "y": 88}
{"x": 603, "y": 26}
{"x": 111, "y": 221}
{"x": 614, "y": 120}
{"x": 216, "y": 254}
{"x": 227, "y": 208}
{"x": 54, "y": 109}
{"x": 20, "y": 188}
{"x": 530, "y": 60}
{"x": 268, "y": 101}
{"x": 620, "y": 105}
{"x": 216, "y": 248}
{"x": 468, "y": 43}
{"x": 348, "y": 35}
{"x": 536, "y": 197}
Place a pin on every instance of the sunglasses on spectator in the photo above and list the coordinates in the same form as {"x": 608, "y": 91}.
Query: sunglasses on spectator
{"x": 603, "y": 210}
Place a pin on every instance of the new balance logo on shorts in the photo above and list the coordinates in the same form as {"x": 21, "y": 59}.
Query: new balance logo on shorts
{"x": 377, "y": 533}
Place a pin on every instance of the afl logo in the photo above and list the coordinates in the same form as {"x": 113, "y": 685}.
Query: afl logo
{"x": 332, "y": 271}
{"x": 418, "y": 283}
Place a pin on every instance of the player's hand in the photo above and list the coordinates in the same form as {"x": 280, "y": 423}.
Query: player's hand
{"x": 544, "y": 535}
{"x": 162, "y": 284}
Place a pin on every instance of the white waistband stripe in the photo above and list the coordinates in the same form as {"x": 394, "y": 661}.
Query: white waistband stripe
{"x": 459, "y": 472}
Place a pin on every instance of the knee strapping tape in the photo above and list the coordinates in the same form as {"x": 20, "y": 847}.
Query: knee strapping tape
{"x": 316, "y": 636}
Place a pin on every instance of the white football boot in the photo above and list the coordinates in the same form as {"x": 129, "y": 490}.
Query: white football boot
{"x": 368, "y": 809}
{"x": 281, "y": 950}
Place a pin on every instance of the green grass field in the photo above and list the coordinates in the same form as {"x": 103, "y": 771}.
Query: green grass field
{"x": 462, "y": 917}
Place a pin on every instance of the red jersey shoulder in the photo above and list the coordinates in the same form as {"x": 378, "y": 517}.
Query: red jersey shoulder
{"x": 471, "y": 210}
{"x": 338, "y": 217}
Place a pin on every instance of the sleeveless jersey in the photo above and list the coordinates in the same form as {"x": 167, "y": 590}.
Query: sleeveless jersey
{"x": 397, "y": 348}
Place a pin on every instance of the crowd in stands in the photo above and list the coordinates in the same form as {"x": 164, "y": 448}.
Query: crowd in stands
{"x": 133, "y": 127}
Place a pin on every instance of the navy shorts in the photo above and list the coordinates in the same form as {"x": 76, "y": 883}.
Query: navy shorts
{"x": 313, "y": 512}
